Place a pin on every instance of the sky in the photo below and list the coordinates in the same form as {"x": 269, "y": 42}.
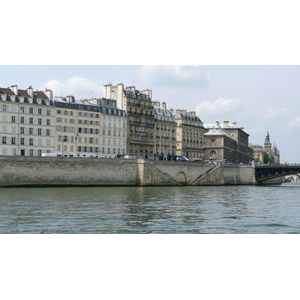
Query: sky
{"x": 259, "y": 98}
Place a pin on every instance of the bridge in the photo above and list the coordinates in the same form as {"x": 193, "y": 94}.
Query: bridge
{"x": 263, "y": 173}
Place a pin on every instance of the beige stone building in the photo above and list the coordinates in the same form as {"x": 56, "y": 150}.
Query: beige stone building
{"x": 227, "y": 142}
{"x": 26, "y": 121}
{"x": 89, "y": 128}
{"x": 189, "y": 134}
{"x": 164, "y": 132}
{"x": 140, "y": 118}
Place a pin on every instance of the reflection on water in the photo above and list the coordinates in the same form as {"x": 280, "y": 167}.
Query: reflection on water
{"x": 220, "y": 209}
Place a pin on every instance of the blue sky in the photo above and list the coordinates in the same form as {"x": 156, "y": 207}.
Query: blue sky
{"x": 259, "y": 98}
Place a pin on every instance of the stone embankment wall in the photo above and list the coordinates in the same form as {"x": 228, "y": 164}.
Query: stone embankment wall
{"x": 58, "y": 171}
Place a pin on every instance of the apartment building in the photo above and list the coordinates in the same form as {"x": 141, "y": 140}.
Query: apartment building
{"x": 89, "y": 128}
{"x": 164, "y": 132}
{"x": 140, "y": 118}
{"x": 26, "y": 121}
{"x": 227, "y": 142}
{"x": 189, "y": 134}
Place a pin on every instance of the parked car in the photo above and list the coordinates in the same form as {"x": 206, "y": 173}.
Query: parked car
{"x": 182, "y": 158}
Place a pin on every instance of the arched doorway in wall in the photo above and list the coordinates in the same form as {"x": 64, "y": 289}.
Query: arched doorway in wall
{"x": 181, "y": 177}
{"x": 213, "y": 155}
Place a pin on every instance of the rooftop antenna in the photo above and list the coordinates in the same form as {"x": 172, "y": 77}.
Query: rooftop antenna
{"x": 92, "y": 95}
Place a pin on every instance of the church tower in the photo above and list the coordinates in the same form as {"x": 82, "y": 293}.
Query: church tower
{"x": 268, "y": 144}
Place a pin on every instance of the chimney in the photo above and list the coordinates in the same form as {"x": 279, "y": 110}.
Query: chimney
{"x": 148, "y": 93}
{"x": 49, "y": 94}
{"x": 164, "y": 105}
{"x": 14, "y": 88}
{"x": 70, "y": 99}
{"x": 217, "y": 123}
{"x": 225, "y": 124}
{"x": 192, "y": 113}
{"x": 30, "y": 91}
{"x": 156, "y": 103}
{"x": 234, "y": 124}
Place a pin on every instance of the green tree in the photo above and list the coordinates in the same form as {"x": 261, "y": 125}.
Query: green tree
{"x": 267, "y": 158}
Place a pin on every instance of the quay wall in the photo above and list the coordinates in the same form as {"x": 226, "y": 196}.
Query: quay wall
{"x": 61, "y": 171}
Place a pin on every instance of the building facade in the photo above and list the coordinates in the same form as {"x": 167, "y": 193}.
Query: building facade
{"x": 26, "y": 122}
{"x": 89, "y": 128}
{"x": 140, "y": 118}
{"x": 189, "y": 134}
{"x": 164, "y": 132}
{"x": 227, "y": 142}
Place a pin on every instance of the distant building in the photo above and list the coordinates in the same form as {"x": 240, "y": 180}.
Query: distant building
{"x": 268, "y": 148}
{"x": 227, "y": 142}
{"x": 164, "y": 132}
{"x": 189, "y": 134}
{"x": 140, "y": 118}
{"x": 87, "y": 128}
{"x": 26, "y": 121}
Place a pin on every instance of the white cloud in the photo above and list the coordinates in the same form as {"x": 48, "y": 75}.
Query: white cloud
{"x": 271, "y": 113}
{"x": 293, "y": 124}
{"x": 190, "y": 76}
{"x": 77, "y": 86}
{"x": 218, "y": 107}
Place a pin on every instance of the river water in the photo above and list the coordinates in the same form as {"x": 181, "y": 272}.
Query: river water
{"x": 204, "y": 209}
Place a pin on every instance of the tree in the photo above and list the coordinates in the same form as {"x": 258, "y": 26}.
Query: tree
{"x": 267, "y": 158}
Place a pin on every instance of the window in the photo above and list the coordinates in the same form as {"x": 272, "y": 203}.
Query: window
{"x": 39, "y": 131}
{"x": 13, "y": 119}
{"x": 13, "y": 140}
{"x": 39, "y": 111}
{"x": 48, "y": 112}
{"x": 30, "y": 120}
{"x": 30, "y": 130}
{"x": 47, "y": 131}
{"x": 48, "y": 122}
{"x": 22, "y": 120}
{"x": 31, "y": 141}
{"x": 31, "y": 110}
{"x": 22, "y": 109}
{"x": 22, "y": 141}
{"x": 30, "y": 152}
{"x": 40, "y": 121}
{"x": 4, "y": 140}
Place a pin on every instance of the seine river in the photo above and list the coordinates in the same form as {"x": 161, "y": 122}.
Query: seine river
{"x": 139, "y": 210}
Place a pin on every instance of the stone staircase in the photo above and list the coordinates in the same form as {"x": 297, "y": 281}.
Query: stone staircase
{"x": 164, "y": 175}
{"x": 201, "y": 177}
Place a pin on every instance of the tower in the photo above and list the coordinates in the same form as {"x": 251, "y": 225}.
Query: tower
{"x": 268, "y": 144}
